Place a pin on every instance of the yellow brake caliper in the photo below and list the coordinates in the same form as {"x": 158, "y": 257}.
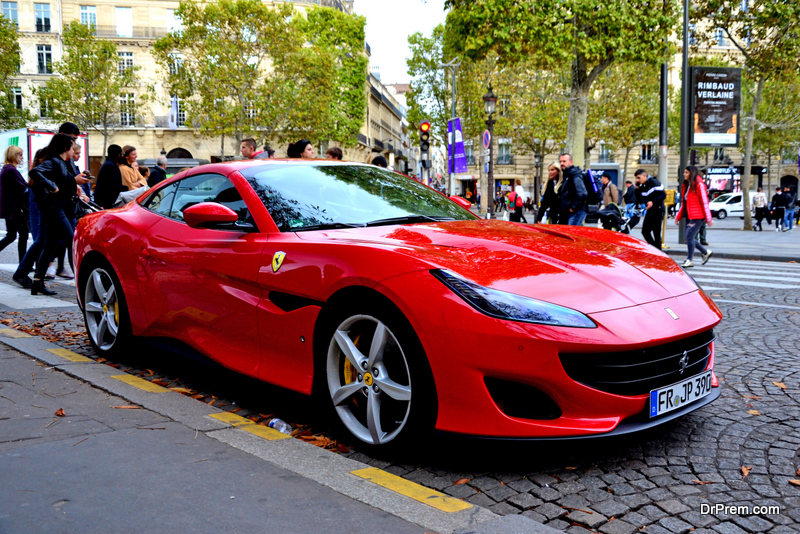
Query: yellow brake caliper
{"x": 350, "y": 372}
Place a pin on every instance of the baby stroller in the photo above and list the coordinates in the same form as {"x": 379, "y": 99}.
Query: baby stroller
{"x": 83, "y": 207}
{"x": 612, "y": 217}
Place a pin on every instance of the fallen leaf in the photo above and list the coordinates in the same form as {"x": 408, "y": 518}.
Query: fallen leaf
{"x": 794, "y": 482}
{"x": 570, "y": 468}
{"x": 341, "y": 447}
{"x": 60, "y": 412}
{"x": 753, "y": 412}
{"x": 702, "y": 481}
{"x": 797, "y": 472}
{"x": 182, "y": 390}
{"x": 126, "y": 407}
{"x": 746, "y": 471}
{"x": 751, "y": 397}
{"x": 461, "y": 481}
{"x": 780, "y": 384}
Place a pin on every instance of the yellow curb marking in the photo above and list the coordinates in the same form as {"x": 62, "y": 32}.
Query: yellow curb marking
{"x": 10, "y": 332}
{"x": 440, "y": 501}
{"x": 140, "y": 383}
{"x": 69, "y": 355}
{"x": 237, "y": 421}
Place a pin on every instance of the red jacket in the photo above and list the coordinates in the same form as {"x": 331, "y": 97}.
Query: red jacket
{"x": 696, "y": 202}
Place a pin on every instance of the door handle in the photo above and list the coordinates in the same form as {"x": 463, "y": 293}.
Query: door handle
{"x": 144, "y": 253}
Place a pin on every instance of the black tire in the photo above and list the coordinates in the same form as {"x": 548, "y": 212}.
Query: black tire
{"x": 352, "y": 395}
{"x": 105, "y": 312}
{"x": 721, "y": 214}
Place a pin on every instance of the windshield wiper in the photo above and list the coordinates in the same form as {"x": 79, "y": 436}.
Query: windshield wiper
{"x": 408, "y": 219}
{"x": 329, "y": 226}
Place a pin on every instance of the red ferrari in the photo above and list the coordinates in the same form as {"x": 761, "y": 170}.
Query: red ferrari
{"x": 400, "y": 309}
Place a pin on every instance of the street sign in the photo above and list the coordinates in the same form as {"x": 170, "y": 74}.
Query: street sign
{"x": 487, "y": 139}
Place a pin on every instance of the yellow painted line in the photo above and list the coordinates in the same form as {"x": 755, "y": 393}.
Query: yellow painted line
{"x": 140, "y": 383}
{"x": 69, "y": 355}
{"x": 433, "y": 498}
{"x": 10, "y": 332}
{"x": 247, "y": 425}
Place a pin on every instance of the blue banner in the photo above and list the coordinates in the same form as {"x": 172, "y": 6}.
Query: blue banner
{"x": 461, "y": 157}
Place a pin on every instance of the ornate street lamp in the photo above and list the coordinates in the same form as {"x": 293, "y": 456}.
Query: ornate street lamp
{"x": 490, "y": 105}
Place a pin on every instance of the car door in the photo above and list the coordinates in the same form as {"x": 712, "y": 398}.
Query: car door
{"x": 735, "y": 205}
{"x": 200, "y": 284}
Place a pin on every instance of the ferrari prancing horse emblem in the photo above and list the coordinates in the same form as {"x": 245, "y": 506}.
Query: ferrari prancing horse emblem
{"x": 277, "y": 261}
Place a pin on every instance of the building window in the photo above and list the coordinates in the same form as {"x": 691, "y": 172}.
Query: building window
{"x": 175, "y": 64}
{"x": 44, "y": 57}
{"x": 124, "y": 21}
{"x": 89, "y": 17}
{"x": 649, "y": 154}
{"x": 174, "y": 24}
{"x": 125, "y": 62}
{"x": 181, "y": 113}
{"x": 469, "y": 152}
{"x": 42, "y": 12}
{"x": 16, "y": 95}
{"x": 10, "y": 12}
{"x": 503, "y": 106}
{"x": 504, "y": 152}
{"x": 44, "y": 108}
{"x": 606, "y": 153}
{"x": 789, "y": 155}
{"x": 719, "y": 36}
{"x": 127, "y": 106}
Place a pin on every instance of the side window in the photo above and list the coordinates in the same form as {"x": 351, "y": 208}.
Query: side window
{"x": 208, "y": 188}
{"x": 736, "y": 199}
{"x": 161, "y": 202}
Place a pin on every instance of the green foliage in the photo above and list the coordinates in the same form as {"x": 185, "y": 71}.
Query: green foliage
{"x": 430, "y": 90}
{"x": 589, "y": 34}
{"x": 89, "y": 82}
{"x": 244, "y": 68}
{"x": 10, "y": 116}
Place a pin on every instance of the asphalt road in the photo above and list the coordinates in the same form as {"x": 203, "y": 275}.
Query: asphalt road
{"x": 740, "y": 451}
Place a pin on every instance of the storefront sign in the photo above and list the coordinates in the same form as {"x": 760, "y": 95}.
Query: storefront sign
{"x": 716, "y": 98}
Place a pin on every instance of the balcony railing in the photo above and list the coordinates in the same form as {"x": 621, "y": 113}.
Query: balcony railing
{"x": 335, "y": 4}
{"x": 505, "y": 159}
{"x": 377, "y": 143}
{"x": 470, "y": 159}
{"x": 136, "y": 32}
{"x": 606, "y": 158}
{"x": 362, "y": 139}
{"x": 652, "y": 160}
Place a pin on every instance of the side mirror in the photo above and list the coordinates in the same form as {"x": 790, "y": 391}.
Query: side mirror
{"x": 461, "y": 201}
{"x": 208, "y": 213}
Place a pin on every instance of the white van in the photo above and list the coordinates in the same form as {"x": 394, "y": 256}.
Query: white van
{"x": 729, "y": 204}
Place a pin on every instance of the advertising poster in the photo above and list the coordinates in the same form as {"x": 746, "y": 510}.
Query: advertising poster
{"x": 461, "y": 156}
{"x": 716, "y": 99}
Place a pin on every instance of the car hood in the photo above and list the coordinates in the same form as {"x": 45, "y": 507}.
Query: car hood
{"x": 582, "y": 268}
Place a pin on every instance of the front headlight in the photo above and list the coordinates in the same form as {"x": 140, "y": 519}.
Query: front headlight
{"x": 512, "y": 307}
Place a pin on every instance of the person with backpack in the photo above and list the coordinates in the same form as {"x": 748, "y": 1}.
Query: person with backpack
{"x": 610, "y": 191}
{"x": 519, "y": 202}
{"x": 651, "y": 193}
{"x": 573, "y": 193}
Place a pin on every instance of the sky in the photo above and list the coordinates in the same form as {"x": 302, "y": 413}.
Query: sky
{"x": 389, "y": 23}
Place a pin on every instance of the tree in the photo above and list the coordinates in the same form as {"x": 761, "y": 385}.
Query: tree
{"x": 590, "y": 34}
{"x": 430, "y": 91}
{"x": 768, "y": 37}
{"x": 92, "y": 88}
{"x": 10, "y": 116}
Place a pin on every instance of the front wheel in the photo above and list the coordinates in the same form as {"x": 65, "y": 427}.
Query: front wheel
{"x": 104, "y": 311}
{"x": 378, "y": 379}
{"x": 721, "y": 214}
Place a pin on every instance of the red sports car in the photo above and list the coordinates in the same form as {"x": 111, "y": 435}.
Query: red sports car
{"x": 402, "y": 310}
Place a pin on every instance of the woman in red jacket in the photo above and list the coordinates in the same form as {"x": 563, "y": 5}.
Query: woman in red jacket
{"x": 695, "y": 208}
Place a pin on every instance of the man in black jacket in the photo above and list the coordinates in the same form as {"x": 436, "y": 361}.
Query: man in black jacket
{"x": 573, "y": 193}
{"x": 791, "y": 206}
{"x": 109, "y": 179}
{"x": 652, "y": 194}
{"x": 158, "y": 173}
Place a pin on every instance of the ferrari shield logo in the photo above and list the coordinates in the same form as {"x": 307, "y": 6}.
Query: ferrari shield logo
{"x": 277, "y": 261}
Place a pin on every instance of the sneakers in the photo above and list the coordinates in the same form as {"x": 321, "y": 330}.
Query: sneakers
{"x": 51, "y": 273}
{"x": 66, "y": 273}
{"x": 688, "y": 263}
{"x": 706, "y": 256}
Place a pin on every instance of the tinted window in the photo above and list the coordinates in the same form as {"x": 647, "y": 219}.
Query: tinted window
{"x": 735, "y": 200}
{"x": 722, "y": 198}
{"x": 308, "y": 196}
{"x": 161, "y": 201}
{"x": 208, "y": 188}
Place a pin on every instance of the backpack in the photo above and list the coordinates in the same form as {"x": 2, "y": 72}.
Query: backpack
{"x": 514, "y": 200}
{"x": 594, "y": 190}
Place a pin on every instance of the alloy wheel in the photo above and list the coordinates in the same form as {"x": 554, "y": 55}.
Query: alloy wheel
{"x": 102, "y": 309}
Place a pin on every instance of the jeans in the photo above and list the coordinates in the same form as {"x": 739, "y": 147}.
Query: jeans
{"x": 789, "y": 219}
{"x": 16, "y": 228}
{"x": 57, "y": 227}
{"x": 35, "y": 217}
{"x": 651, "y": 227}
{"x": 692, "y": 230}
{"x": 577, "y": 218}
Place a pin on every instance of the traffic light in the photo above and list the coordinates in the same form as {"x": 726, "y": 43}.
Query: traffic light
{"x": 424, "y": 143}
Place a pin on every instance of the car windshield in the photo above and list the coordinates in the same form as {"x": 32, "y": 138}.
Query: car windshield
{"x": 722, "y": 198}
{"x": 313, "y": 197}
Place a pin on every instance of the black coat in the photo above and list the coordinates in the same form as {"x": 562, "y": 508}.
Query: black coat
{"x": 54, "y": 173}
{"x": 573, "y": 191}
{"x": 12, "y": 192}
{"x": 630, "y": 195}
{"x": 550, "y": 201}
{"x": 778, "y": 200}
{"x": 157, "y": 175}
{"x": 109, "y": 185}
{"x": 651, "y": 191}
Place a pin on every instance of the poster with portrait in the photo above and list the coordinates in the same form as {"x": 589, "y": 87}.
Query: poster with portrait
{"x": 716, "y": 99}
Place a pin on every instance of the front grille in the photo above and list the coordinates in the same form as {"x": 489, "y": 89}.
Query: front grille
{"x": 637, "y": 372}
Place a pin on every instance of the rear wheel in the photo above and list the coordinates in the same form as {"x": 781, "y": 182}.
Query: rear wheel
{"x": 104, "y": 311}
{"x": 378, "y": 380}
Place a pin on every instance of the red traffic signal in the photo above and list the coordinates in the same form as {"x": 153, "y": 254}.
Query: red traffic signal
{"x": 425, "y": 126}
{"x": 424, "y": 136}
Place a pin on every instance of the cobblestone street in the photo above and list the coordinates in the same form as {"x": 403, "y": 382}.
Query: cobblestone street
{"x": 741, "y": 451}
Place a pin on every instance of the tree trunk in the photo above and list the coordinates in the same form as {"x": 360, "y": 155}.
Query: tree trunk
{"x": 576, "y": 126}
{"x": 748, "y": 150}
{"x": 222, "y": 146}
{"x": 769, "y": 172}
{"x": 625, "y": 168}
{"x": 105, "y": 141}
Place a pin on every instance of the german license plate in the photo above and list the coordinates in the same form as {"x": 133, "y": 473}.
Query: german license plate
{"x": 678, "y": 395}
